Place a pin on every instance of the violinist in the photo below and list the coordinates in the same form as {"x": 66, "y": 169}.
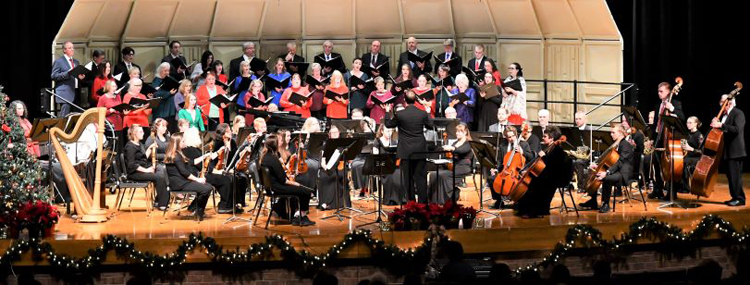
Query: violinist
{"x": 665, "y": 107}
{"x": 619, "y": 173}
{"x": 139, "y": 168}
{"x": 182, "y": 176}
{"x": 225, "y": 148}
{"x": 308, "y": 179}
{"x": 159, "y": 139}
{"x": 692, "y": 149}
{"x": 441, "y": 183}
{"x": 512, "y": 140}
{"x": 282, "y": 185}
{"x": 200, "y": 163}
{"x": 557, "y": 173}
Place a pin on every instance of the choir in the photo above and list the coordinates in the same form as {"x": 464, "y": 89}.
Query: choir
{"x": 289, "y": 109}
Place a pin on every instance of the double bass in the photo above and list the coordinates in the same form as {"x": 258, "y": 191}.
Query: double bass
{"x": 603, "y": 163}
{"x": 513, "y": 163}
{"x": 704, "y": 176}
{"x": 672, "y": 157}
{"x": 534, "y": 169}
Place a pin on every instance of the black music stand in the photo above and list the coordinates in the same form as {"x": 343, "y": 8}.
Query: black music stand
{"x": 601, "y": 141}
{"x": 348, "y": 126}
{"x": 635, "y": 119}
{"x": 40, "y": 133}
{"x": 348, "y": 149}
{"x": 443, "y": 125}
{"x": 486, "y": 154}
{"x": 232, "y": 165}
{"x": 678, "y": 131}
{"x": 379, "y": 165}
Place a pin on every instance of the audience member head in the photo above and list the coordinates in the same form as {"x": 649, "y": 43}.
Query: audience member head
{"x": 325, "y": 278}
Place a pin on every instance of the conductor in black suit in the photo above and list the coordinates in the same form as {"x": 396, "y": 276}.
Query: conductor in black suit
{"x": 411, "y": 123}
{"x": 417, "y": 68}
{"x": 618, "y": 174}
{"x": 177, "y": 72}
{"x": 733, "y": 125}
{"x": 675, "y": 109}
{"x": 291, "y": 54}
{"x": 373, "y": 59}
{"x": 122, "y": 68}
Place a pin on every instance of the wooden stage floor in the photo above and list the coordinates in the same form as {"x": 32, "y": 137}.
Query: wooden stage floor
{"x": 158, "y": 234}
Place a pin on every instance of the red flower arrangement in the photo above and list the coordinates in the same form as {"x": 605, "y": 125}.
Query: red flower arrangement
{"x": 35, "y": 216}
{"x": 419, "y": 216}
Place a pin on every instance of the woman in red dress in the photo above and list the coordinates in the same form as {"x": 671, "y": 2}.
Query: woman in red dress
{"x": 337, "y": 109}
{"x": 103, "y": 75}
{"x": 304, "y": 109}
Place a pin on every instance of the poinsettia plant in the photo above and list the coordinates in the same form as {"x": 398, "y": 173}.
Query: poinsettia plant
{"x": 39, "y": 215}
{"x": 446, "y": 215}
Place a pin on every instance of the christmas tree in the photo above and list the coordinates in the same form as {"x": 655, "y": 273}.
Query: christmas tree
{"x": 20, "y": 173}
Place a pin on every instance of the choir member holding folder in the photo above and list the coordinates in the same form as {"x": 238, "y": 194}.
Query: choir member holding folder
{"x": 337, "y": 97}
{"x": 277, "y": 81}
{"x": 242, "y": 82}
{"x": 417, "y": 59}
{"x": 375, "y": 63}
{"x": 330, "y": 60}
{"x": 317, "y": 84}
{"x": 357, "y": 79}
{"x": 110, "y": 100}
{"x": 139, "y": 115}
{"x": 402, "y": 83}
{"x": 103, "y": 76}
{"x": 492, "y": 100}
{"x": 166, "y": 89}
{"x": 514, "y": 94}
{"x": 191, "y": 113}
{"x": 296, "y": 98}
{"x": 379, "y": 99}
{"x": 213, "y": 115}
{"x": 291, "y": 55}
{"x": 449, "y": 58}
{"x": 124, "y": 66}
{"x": 425, "y": 96}
{"x": 463, "y": 99}
{"x": 255, "y": 100}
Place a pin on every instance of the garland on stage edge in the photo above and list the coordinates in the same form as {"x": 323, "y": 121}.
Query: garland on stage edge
{"x": 385, "y": 255}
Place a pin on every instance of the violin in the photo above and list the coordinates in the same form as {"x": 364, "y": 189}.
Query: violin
{"x": 513, "y": 163}
{"x": 206, "y": 160}
{"x": 296, "y": 164}
{"x": 448, "y": 155}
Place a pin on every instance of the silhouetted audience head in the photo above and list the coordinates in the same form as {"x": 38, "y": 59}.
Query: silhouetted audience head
{"x": 325, "y": 278}
{"x": 413, "y": 279}
{"x": 500, "y": 274}
{"x": 707, "y": 272}
{"x": 531, "y": 277}
{"x": 602, "y": 272}
{"x": 453, "y": 250}
{"x": 560, "y": 274}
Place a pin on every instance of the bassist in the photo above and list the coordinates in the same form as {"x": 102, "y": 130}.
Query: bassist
{"x": 733, "y": 125}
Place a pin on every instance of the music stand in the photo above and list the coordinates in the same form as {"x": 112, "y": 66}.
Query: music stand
{"x": 379, "y": 165}
{"x": 40, "y": 133}
{"x": 486, "y": 154}
{"x": 442, "y": 125}
{"x": 230, "y": 167}
{"x": 348, "y": 126}
{"x": 634, "y": 118}
{"x": 348, "y": 149}
{"x": 678, "y": 131}
{"x": 601, "y": 141}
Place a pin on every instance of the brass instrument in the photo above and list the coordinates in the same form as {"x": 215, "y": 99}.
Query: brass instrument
{"x": 649, "y": 147}
{"x": 86, "y": 207}
{"x": 581, "y": 152}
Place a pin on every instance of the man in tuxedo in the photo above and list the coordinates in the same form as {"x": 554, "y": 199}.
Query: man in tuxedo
{"x": 619, "y": 173}
{"x": 675, "y": 109}
{"x": 511, "y": 136}
{"x": 449, "y": 54}
{"x": 477, "y": 63}
{"x": 417, "y": 68}
{"x": 65, "y": 85}
{"x": 291, "y": 54}
{"x": 538, "y": 130}
{"x": 374, "y": 59}
{"x": 97, "y": 57}
{"x": 176, "y": 71}
{"x": 122, "y": 68}
{"x": 248, "y": 53}
{"x": 327, "y": 55}
{"x": 411, "y": 123}
{"x": 733, "y": 125}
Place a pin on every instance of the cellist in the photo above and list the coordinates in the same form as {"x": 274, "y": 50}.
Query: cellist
{"x": 675, "y": 109}
{"x": 617, "y": 174}
{"x": 523, "y": 148}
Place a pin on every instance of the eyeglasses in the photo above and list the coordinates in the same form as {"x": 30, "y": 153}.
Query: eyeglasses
{"x": 138, "y": 85}
{"x": 511, "y": 68}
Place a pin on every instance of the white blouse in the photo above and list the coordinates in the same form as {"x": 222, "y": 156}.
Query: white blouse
{"x": 516, "y": 104}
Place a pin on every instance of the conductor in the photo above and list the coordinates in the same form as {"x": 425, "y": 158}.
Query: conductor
{"x": 411, "y": 123}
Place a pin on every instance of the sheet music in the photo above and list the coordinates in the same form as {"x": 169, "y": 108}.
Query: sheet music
{"x": 334, "y": 158}
{"x": 117, "y": 77}
{"x": 89, "y": 65}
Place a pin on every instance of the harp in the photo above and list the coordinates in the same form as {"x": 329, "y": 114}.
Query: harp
{"x": 86, "y": 207}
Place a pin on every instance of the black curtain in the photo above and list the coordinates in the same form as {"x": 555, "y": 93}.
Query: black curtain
{"x": 25, "y": 53}
{"x": 697, "y": 40}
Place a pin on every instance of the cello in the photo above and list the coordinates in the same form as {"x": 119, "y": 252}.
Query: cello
{"x": 704, "y": 176}
{"x": 513, "y": 163}
{"x": 672, "y": 156}
{"x": 534, "y": 169}
{"x": 603, "y": 163}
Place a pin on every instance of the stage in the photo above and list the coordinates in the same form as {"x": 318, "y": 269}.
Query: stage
{"x": 503, "y": 234}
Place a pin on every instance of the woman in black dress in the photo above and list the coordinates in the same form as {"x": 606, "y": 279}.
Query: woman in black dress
{"x": 140, "y": 168}
{"x": 196, "y": 158}
{"x": 331, "y": 192}
{"x": 223, "y": 139}
{"x": 386, "y": 139}
{"x": 184, "y": 177}
{"x": 693, "y": 149}
{"x": 441, "y": 183}
{"x": 283, "y": 186}
{"x": 488, "y": 114}
{"x": 159, "y": 138}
